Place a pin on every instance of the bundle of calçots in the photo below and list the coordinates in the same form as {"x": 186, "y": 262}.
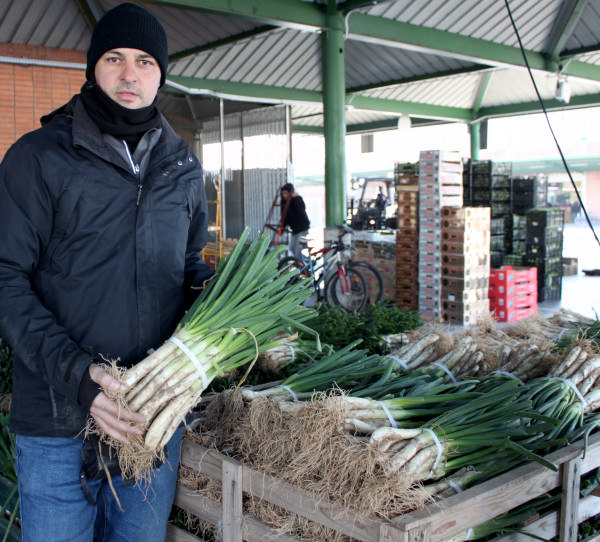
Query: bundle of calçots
{"x": 236, "y": 316}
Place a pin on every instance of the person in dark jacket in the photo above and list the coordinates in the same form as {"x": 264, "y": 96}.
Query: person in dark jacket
{"x": 104, "y": 218}
{"x": 293, "y": 215}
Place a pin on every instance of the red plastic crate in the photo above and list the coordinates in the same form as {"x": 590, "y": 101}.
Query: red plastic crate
{"x": 508, "y": 282}
{"x": 502, "y": 302}
{"x": 504, "y": 315}
{"x": 525, "y": 301}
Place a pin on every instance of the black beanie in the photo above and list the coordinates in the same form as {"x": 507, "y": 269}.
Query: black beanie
{"x": 132, "y": 26}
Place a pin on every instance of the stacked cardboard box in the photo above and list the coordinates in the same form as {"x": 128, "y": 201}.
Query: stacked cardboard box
{"x": 513, "y": 293}
{"x": 465, "y": 264}
{"x": 440, "y": 185}
{"x": 407, "y": 241}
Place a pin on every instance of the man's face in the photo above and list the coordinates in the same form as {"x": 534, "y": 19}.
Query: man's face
{"x": 129, "y": 76}
{"x": 285, "y": 195}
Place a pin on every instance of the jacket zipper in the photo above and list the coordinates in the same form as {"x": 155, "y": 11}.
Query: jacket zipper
{"x": 136, "y": 171}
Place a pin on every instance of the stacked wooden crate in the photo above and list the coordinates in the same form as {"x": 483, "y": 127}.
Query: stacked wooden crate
{"x": 407, "y": 241}
{"x": 448, "y": 519}
{"x": 465, "y": 264}
{"x": 440, "y": 185}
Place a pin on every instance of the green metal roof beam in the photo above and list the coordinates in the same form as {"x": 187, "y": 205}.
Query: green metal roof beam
{"x": 419, "y": 78}
{"x": 219, "y": 43}
{"x": 564, "y": 25}
{"x": 409, "y": 108}
{"x": 91, "y": 11}
{"x": 270, "y": 94}
{"x": 431, "y": 41}
{"x": 581, "y": 69}
{"x": 303, "y": 129}
{"x": 576, "y": 102}
{"x": 388, "y": 124}
{"x": 291, "y": 13}
{"x": 266, "y": 93}
{"x": 573, "y": 53}
{"x": 362, "y": 27}
{"x": 484, "y": 84}
{"x": 352, "y": 5}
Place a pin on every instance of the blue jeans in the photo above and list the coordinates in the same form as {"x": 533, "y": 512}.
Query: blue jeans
{"x": 295, "y": 247}
{"x": 54, "y": 507}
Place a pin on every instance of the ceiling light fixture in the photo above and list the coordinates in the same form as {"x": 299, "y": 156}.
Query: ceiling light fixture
{"x": 563, "y": 89}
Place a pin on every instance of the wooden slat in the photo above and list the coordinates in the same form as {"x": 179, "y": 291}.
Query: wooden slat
{"x": 286, "y": 495}
{"x": 571, "y": 478}
{"x": 436, "y": 522}
{"x": 489, "y": 499}
{"x": 232, "y": 501}
{"x": 547, "y": 526}
{"x": 175, "y": 534}
{"x": 253, "y": 530}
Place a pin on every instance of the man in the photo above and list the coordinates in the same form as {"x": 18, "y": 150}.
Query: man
{"x": 380, "y": 205}
{"x": 293, "y": 215}
{"x": 103, "y": 222}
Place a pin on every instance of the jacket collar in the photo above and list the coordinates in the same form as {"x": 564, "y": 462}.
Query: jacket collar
{"x": 86, "y": 134}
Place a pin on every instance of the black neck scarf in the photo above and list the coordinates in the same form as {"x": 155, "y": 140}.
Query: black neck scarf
{"x": 116, "y": 120}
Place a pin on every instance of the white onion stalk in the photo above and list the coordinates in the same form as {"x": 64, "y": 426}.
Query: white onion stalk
{"x": 235, "y": 318}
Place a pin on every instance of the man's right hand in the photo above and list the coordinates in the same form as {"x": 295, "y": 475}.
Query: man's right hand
{"x": 112, "y": 417}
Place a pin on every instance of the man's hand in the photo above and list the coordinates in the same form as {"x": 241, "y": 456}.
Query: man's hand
{"x": 114, "y": 419}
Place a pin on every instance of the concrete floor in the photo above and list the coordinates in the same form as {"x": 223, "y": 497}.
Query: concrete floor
{"x": 580, "y": 293}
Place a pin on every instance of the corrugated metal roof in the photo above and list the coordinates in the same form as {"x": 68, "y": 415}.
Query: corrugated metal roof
{"x": 46, "y": 23}
{"x": 399, "y": 54}
{"x": 483, "y": 19}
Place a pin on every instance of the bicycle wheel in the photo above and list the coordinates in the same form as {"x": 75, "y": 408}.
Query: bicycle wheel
{"x": 374, "y": 279}
{"x": 348, "y": 291}
{"x": 292, "y": 264}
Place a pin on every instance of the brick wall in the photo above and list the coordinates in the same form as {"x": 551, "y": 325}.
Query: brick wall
{"x": 29, "y": 92}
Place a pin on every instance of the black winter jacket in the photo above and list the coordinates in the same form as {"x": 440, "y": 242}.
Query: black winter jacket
{"x": 94, "y": 261}
{"x": 296, "y": 217}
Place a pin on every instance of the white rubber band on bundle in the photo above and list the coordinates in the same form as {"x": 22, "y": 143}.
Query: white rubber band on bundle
{"x": 506, "y": 373}
{"x": 446, "y": 370}
{"x": 291, "y": 347}
{"x": 193, "y": 359}
{"x": 389, "y": 415}
{"x": 563, "y": 331}
{"x": 455, "y": 486}
{"x": 290, "y": 390}
{"x": 577, "y": 392}
{"x": 440, "y": 450}
{"x": 398, "y": 360}
{"x": 469, "y": 534}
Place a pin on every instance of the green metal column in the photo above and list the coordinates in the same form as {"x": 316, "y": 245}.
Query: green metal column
{"x": 334, "y": 113}
{"x": 475, "y": 133}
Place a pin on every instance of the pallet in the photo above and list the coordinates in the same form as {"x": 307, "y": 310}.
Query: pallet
{"x": 435, "y": 523}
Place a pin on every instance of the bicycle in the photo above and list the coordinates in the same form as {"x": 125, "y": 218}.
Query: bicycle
{"x": 337, "y": 279}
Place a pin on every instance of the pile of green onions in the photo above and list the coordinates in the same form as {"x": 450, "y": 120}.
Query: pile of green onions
{"x": 236, "y": 316}
{"x": 500, "y": 421}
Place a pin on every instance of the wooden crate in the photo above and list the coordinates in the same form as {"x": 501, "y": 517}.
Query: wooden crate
{"x": 435, "y": 523}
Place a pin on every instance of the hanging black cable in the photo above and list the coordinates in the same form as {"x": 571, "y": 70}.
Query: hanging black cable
{"x": 562, "y": 156}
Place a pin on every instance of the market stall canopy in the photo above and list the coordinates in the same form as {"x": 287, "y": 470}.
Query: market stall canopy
{"x": 430, "y": 60}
